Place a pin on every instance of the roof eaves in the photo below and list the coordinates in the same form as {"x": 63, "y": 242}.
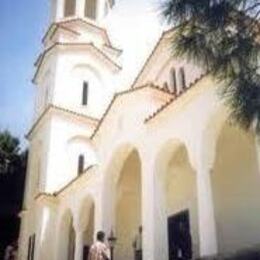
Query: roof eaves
{"x": 40, "y": 60}
{"x": 76, "y": 179}
{"x": 128, "y": 91}
{"x": 104, "y": 32}
{"x": 43, "y": 55}
{"x": 59, "y": 26}
{"x": 57, "y": 108}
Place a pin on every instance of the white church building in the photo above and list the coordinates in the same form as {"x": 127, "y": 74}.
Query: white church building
{"x": 125, "y": 135}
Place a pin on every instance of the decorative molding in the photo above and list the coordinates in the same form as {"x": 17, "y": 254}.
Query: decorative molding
{"x": 73, "y": 20}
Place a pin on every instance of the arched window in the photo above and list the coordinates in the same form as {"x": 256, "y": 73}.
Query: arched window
{"x": 91, "y": 9}
{"x": 173, "y": 81}
{"x": 69, "y": 8}
{"x": 81, "y": 164}
{"x": 85, "y": 93}
{"x": 182, "y": 78}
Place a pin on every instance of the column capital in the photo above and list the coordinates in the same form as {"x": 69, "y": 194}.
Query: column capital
{"x": 46, "y": 199}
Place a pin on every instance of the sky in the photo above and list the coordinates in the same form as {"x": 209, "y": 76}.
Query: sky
{"x": 22, "y": 26}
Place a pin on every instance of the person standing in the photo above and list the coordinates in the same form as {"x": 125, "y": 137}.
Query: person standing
{"x": 11, "y": 252}
{"x": 99, "y": 250}
{"x": 137, "y": 245}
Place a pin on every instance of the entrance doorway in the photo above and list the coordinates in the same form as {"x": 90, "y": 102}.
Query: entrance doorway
{"x": 86, "y": 252}
{"x": 179, "y": 236}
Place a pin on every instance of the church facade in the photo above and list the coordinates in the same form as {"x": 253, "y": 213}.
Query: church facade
{"x": 159, "y": 153}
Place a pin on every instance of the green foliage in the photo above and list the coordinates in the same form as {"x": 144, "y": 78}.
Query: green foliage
{"x": 9, "y": 153}
{"x": 12, "y": 179}
{"x": 222, "y": 36}
{"x": 12, "y": 171}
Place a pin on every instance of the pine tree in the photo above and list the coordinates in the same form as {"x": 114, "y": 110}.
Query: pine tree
{"x": 222, "y": 36}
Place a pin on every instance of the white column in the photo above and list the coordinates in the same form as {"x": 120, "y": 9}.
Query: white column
{"x": 153, "y": 220}
{"x": 207, "y": 225}
{"x": 100, "y": 9}
{"x": 147, "y": 212}
{"x": 79, "y": 244}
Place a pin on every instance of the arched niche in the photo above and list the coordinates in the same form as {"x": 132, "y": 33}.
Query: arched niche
{"x": 66, "y": 237}
{"x": 91, "y": 9}
{"x": 176, "y": 200}
{"x": 69, "y": 8}
{"x": 235, "y": 187}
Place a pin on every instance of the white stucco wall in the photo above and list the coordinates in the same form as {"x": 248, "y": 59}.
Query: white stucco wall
{"x": 60, "y": 171}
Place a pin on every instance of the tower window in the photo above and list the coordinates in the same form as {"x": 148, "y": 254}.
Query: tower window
{"x": 85, "y": 94}
{"x": 182, "y": 78}
{"x": 173, "y": 81}
{"x": 69, "y": 8}
{"x": 91, "y": 9}
{"x": 81, "y": 164}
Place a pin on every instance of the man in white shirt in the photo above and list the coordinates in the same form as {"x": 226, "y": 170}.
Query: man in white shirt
{"x": 99, "y": 250}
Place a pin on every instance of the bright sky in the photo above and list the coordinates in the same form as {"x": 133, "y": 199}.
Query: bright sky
{"x": 22, "y": 25}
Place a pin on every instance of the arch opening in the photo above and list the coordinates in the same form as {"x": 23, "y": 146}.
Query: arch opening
{"x": 91, "y": 9}
{"x": 69, "y": 8}
{"x": 123, "y": 190}
{"x": 176, "y": 194}
{"x": 87, "y": 225}
{"x": 235, "y": 188}
{"x": 128, "y": 205}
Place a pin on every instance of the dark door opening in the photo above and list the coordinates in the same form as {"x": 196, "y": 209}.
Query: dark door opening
{"x": 179, "y": 236}
{"x": 86, "y": 252}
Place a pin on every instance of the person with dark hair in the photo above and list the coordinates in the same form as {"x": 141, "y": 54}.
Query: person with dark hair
{"x": 99, "y": 250}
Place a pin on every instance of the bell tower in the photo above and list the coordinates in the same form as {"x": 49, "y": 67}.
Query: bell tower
{"x": 76, "y": 77}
